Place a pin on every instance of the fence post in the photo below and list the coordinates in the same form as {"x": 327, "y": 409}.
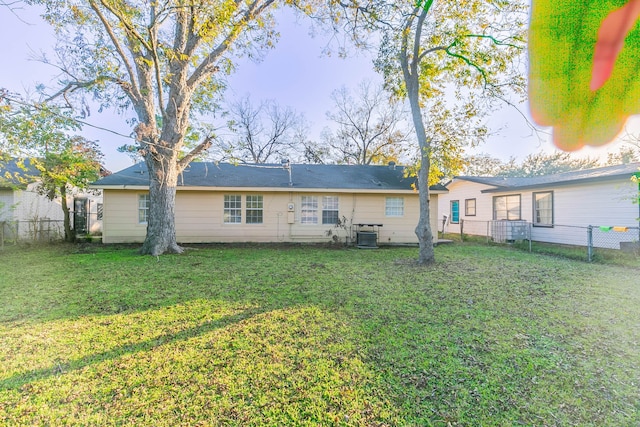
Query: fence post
{"x": 590, "y": 243}
{"x": 1, "y": 234}
{"x": 462, "y": 230}
{"x": 529, "y": 231}
{"x": 488, "y": 235}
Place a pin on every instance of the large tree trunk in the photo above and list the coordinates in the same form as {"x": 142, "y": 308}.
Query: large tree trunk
{"x": 426, "y": 253}
{"x": 409, "y": 62}
{"x": 423, "y": 229}
{"x": 69, "y": 234}
{"x": 161, "y": 227}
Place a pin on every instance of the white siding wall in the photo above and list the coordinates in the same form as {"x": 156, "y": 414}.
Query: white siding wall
{"x": 30, "y": 205}
{"x": 608, "y": 203}
{"x": 461, "y": 191}
{"x": 199, "y": 218}
{"x": 6, "y": 205}
{"x": 29, "y": 208}
{"x": 31, "y": 211}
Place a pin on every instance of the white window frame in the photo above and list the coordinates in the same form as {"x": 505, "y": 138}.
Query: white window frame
{"x": 254, "y": 209}
{"x": 330, "y": 206}
{"x": 143, "y": 208}
{"x": 232, "y": 209}
{"x": 511, "y": 203}
{"x": 394, "y": 207}
{"x": 309, "y": 210}
{"x": 537, "y": 210}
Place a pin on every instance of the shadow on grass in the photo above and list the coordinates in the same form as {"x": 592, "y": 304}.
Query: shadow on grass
{"x": 484, "y": 336}
{"x": 19, "y": 380}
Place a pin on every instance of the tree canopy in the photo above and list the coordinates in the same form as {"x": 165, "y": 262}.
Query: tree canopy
{"x": 46, "y": 136}
{"x": 166, "y": 60}
{"x": 427, "y": 49}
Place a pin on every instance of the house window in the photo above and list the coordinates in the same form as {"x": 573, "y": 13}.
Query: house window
{"x": 143, "y": 208}
{"x": 543, "y": 209}
{"x": 309, "y": 210}
{"x": 232, "y": 209}
{"x": 394, "y": 206}
{"x": 254, "y": 209}
{"x": 470, "y": 207}
{"x": 455, "y": 211}
{"x": 506, "y": 207}
{"x": 330, "y": 210}
{"x": 99, "y": 211}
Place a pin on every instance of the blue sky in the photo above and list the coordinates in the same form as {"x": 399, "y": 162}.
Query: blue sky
{"x": 295, "y": 74}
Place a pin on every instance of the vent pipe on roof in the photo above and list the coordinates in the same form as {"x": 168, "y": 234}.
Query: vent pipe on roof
{"x": 286, "y": 165}
{"x": 392, "y": 165}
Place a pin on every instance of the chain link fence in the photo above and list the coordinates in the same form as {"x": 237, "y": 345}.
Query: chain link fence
{"x": 44, "y": 230}
{"x": 587, "y": 242}
{"x": 603, "y": 237}
{"x": 37, "y": 230}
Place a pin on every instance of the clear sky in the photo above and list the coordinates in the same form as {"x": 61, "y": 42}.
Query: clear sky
{"x": 294, "y": 74}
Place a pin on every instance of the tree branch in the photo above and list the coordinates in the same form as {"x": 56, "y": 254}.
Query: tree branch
{"x": 203, "y": 146}
{"x": 208, "y": 65}
{"x": 134, "y": 90}
{"x": 153, "y": 38}
{"x": 125, "y": 24}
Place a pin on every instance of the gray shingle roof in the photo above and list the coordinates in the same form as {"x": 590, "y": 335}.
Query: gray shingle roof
{"x": 209, "y": 174}
{"x": 573, "y": 177}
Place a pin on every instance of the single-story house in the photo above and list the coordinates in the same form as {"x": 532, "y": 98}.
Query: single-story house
{"x": 221, "y": 202}
{"x": 29, "y": 215}
{"x": 555, "y": 208}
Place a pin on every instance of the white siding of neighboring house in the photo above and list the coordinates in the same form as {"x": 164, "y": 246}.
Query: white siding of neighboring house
{"x": 575, "y": 206}
{"x": 6, "y": 205}
{"x": 199, "y": 217}
{"x": 598, "y": 204}
{"x": 462, "y": 190}
{"x": 32, "y": 214}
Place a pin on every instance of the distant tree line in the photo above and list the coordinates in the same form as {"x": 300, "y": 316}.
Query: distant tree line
{"x": 539, "y": 164}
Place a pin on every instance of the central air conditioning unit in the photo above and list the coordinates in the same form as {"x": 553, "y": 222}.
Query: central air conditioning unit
{"x": 367, "y": 239}
{"x": 367, "y": 235}
{"x": 505, "y": 231}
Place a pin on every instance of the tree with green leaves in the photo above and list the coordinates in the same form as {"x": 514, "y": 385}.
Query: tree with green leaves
{"x": 43, "y": 134}
{"x": 541, "y": 164}
{"x": 483, "y": 164}
{"x": 166, "y": 60}
{"x": 74, "y": 165}
{"x": 628, "y": 153}
{"x": 429, "y": 48}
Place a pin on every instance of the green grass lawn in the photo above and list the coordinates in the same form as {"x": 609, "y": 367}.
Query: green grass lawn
{"x": 247, "y": 336}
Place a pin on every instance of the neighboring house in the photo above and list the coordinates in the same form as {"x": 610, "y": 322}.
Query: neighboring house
{"x": 219, "y": 202}
{"x": 553, "y": 204}
{"x": 33, "y": 216}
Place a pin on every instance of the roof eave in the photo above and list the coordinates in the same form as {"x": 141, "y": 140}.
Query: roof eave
{"x": 558, "y": 183}
{"x": 266, "y": 189}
